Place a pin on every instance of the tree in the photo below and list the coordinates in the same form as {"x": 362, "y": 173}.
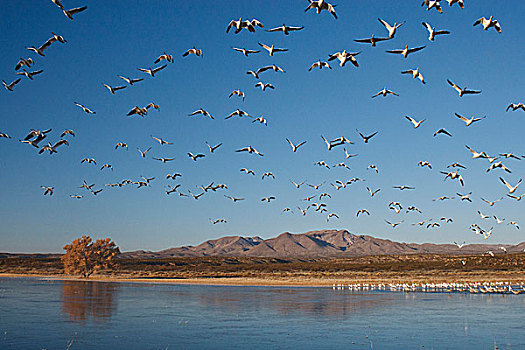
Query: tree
{"x": 84, "y": 257}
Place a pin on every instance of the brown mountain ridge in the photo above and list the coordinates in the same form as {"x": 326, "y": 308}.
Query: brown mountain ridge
{"x": 317, "y": 244}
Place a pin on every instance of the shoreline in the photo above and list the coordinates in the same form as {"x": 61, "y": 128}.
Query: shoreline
{"x": 270, "y": 282}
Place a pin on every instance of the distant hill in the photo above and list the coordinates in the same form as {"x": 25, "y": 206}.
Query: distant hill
{"x": 316, "y": 244}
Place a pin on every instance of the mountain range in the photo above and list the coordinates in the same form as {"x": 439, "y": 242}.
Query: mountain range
{"x": 317, "y": 244}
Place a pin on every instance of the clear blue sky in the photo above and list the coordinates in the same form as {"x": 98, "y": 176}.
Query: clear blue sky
{"x": 117, "y": 37}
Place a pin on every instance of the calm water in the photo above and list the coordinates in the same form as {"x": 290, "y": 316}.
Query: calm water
{"x": 39, "y": 314}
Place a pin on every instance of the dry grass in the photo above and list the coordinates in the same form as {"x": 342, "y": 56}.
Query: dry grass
{"x": 402, "y": 268}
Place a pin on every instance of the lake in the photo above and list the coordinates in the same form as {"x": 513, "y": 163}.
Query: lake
{"x": 46, "y": 314}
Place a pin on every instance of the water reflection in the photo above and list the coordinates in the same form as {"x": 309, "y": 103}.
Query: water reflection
{"x": 84, "y": 299}
{"x": 296, "y": 301}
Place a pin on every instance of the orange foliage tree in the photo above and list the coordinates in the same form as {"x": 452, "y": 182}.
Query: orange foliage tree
{"x": 84, "y": 257}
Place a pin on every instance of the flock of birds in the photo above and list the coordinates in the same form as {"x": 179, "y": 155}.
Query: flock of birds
{"x": 317, "y": 202}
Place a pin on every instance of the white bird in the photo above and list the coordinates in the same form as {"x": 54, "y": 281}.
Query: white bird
{"x": 267, "y": 199}
{"x": 130, "y": 81}
{"x": 40, "y": 50}
{"x": 319, "y": 64}
{"x": 48, "y": 190}
{"x": 511, "y": 188}
{"x": 365, "y": 137}
{"x": 53, "y": 148}
{"x": 297, "y": 185}
{"x": 295, "y": 147}
{"x": 430, "y": 4}
{"x": 515, "y": 224}
{"x": 391, "y": 29}
{"x": 331, "y": 215}
{"x": 161, "y": 141}
{"x": 394, "y": 224}
{"x": 213, "y": 148}
{"x": 271, "y": 49}
{"x": 416, "y": 74}
{"x": 463, "y": 91}
{"x": 248, "y": 172}
{"x": 245, "y": 52}
{"x": 194, "y": 157}
{"x": 85, "y": 109}
{"x": 202, "y": 112}
{"x": 414, "y": 122}
{"x": 433, "y": 32}
{"x": 510, "y": 155}
{"x": 460, "y": 245}
{"x": 234, "y": 199}
{"x": 423, "y": 163}
{"x": 406, "y": 51}
{"x": 268, "y": 174}
{"x": 385, "y": 92}
{"x": 459, "y": 2}
{"x": 372, "y": 40}
{"x": 491, "y": 203}
{"x": 322, "y": 163}
{"x": 344, "y": 57}
{"x": 260, "y": 120}
{"x": 453, "y": 176}
{"x": 498, "y": 220}
{"x": 237, "y": 92}
{"x": 483, "y": 216}
{"x": 152, "y": 72}
{"x": 467, "y": 121}
{"x": 498, "y": 165}
{"x": 362, "y": 211}
{"x": 517, "y": 198}
{"x": 143, "y": 153}
{"x": 164, "y": 56}
{"x": 285, "y": 29}
{"x": 69, "y": 13}
{"x": 250, "y": 150}
{"x": 239, "y": 113}
{"x": 112, "y": 89}
{"x": 488, "y": 23}
{"x": 11, "y": 85}
{"x": 372, "y": 193}
{"x": 465, "y": 197}
{"x": 321, "y": 5}
{"x": 193, "y": 51}
{"x": 516, "y": 106}
{"x": 29, "y": 74}
{"x": 24, "y": 62}
{"x": 264, "y": 86}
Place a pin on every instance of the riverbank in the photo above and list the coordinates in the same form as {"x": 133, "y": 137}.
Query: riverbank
{"x": 410, "y": 269}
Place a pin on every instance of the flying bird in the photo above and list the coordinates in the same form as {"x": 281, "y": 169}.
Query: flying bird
{"x": 271, "y": 49}
{"x": 391, "y": 29}
{"x": 85, "y": 109}
{"x": 442, "y": 131}
{"x": 319, "y": 64}
{"x": 432, "y": 32}
{"x": 416, "y": 74}
{"x": 285, "y": 29}
{"x": 193, "y": 51}
{"x": 321, "y": 5}
{"x": 48, "y": 190}
{"x": 70, "y": 13}
{"x": 467, "y": 121}
{"x": 11, "y": 85}
{"x": 30, "y": 74}
{"x": 245, "y": 52}
{"x": 344, "y": 57}
{"x": 406, "y": 51}
{"x": 463, "y": 91}
{"x": 112, "y": 89}
{"x": 488, "y": 23}
{"x": 130, "y": 81}
{"x": 202, "y": 112}
{"x": 414, "y": 122}
{"x": 366, "y": 138}
{"x": 152, "y": 72}
{"x": 385, "y": 92}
